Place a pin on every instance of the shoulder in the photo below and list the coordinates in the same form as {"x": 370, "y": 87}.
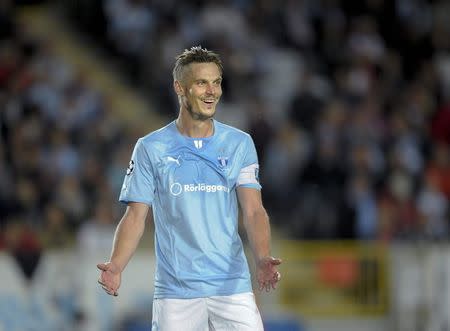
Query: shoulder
{"x": 155, "y": 143}
{"x": 158, "y": 137}
{"x": 231, "y": 132}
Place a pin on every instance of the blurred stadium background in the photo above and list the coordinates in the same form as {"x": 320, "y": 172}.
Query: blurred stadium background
{"x": 349, "y": 106}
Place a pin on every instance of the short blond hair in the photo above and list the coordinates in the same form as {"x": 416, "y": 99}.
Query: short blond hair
{"x": 196, "y": 54}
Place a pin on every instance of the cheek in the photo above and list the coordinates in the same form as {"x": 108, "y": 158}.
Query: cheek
{"x": 190, "y": 96}
{"x": 195, "y": 93}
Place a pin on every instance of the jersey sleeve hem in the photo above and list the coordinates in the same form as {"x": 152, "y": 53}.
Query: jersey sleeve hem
{"x": 251, "y": 185}
{"x": 127, "y": 200}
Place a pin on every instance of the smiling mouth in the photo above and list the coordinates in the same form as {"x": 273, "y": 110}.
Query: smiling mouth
{"x": 209, "y": 103}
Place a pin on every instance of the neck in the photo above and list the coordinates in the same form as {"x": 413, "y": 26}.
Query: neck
{"x": 194, "y": 128}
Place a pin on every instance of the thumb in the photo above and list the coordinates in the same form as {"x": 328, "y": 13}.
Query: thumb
{"x": 275, "y": 261}
{"x": 103, "y": 266}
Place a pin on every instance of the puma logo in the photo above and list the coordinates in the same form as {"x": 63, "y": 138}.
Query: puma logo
{"x": 172, "y": 159}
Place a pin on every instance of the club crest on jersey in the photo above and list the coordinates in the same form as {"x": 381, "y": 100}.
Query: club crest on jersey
{"x": 223, "y": 161}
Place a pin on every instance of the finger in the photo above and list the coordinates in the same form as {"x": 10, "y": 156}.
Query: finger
{"x": 268, "y": 287}
{"x": 101, "y": 281}
{"x": 110, "y": 291}
{"x": 275, "y": 280}
{"x": 101, "y": 278}
{"x": 107, "y": 290}
{"x": 261, "y": 285}
{"x": 105, "y": 287}
{"x": 277, "y": 276}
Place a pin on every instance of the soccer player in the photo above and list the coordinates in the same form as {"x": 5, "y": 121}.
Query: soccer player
{"x": 193, "y": 173}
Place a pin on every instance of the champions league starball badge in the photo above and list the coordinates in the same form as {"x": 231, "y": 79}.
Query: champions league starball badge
{"x": 130, "y": 168}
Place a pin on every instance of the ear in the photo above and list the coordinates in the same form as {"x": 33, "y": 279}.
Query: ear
{"x": 178, "y": 88}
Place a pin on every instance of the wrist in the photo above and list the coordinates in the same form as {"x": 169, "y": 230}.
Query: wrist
{"x": 262, "y": 259}
{"x": 116, "y": 266}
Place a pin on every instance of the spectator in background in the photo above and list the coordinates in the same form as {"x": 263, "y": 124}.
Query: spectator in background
{"x": 7, "y": 196}
{"x": 50, "y": 116}
{"x": 131, "y": 26}
{"x": 94, "y": 235}
{"x": 286, "y": 153}
{"x": 405, "y": 145}
{"x": 440, "y": 125}
{"x": 7, "y": 23}
{"x": 259, "y": 127}
{"x": 403, "y": 221}
{"x": 438, "y": 169}
{"x": 433, "y": 209}
{"x": 56, "y": 232}
{"x": 363, "y": 201}
{"x": 307, "y": 102}
{"x": 24, "y": 245}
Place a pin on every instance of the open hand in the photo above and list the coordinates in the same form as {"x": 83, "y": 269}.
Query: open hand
{"x": 267, "y": 274}
{"x": 110, "y": 277}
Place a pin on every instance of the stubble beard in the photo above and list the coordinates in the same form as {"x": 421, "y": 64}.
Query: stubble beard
{"x": 197, "y": 116}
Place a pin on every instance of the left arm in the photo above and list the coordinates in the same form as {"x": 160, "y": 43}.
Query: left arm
{"x": 256, "y": 224}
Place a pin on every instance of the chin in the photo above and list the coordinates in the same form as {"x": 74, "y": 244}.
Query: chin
{"x": 199, "y": 113}
{"x": 206, "y": 113}
{"x": 202, "y": 116}
{"x": 205, "y": 117}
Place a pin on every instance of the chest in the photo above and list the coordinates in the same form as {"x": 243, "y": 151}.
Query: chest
{"x": 214, "y": 167}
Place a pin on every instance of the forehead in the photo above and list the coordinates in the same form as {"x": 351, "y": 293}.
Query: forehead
{"x": 208, "y": 70}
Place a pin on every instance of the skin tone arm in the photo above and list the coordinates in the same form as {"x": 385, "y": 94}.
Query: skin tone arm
{"x": 256, "y": 223}
{"x": 126, "y": 239}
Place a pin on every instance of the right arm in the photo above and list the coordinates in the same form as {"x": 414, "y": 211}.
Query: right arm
{"x": 126, "y": 239}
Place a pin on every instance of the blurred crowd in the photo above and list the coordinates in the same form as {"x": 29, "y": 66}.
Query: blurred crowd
{"x": 62, "y": 151}
{"x": 348, "y": 104}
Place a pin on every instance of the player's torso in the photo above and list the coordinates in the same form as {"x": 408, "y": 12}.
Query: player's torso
{"x": 195, "y": 213}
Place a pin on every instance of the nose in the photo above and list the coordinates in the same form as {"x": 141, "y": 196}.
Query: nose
{"x": 210, "y": 89}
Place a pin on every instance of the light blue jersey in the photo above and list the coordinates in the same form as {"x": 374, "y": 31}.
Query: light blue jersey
{"x": 191, "y": 185}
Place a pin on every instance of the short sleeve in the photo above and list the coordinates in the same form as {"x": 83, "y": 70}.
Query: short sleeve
{"x": 249, "y": 174}
{"x": 139, "y": 181}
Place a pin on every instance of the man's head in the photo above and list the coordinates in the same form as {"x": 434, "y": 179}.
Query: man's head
{"x": 197, "y": 81}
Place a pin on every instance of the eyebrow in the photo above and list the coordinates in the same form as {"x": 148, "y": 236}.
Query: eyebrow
{"x": 205, "y": 80}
